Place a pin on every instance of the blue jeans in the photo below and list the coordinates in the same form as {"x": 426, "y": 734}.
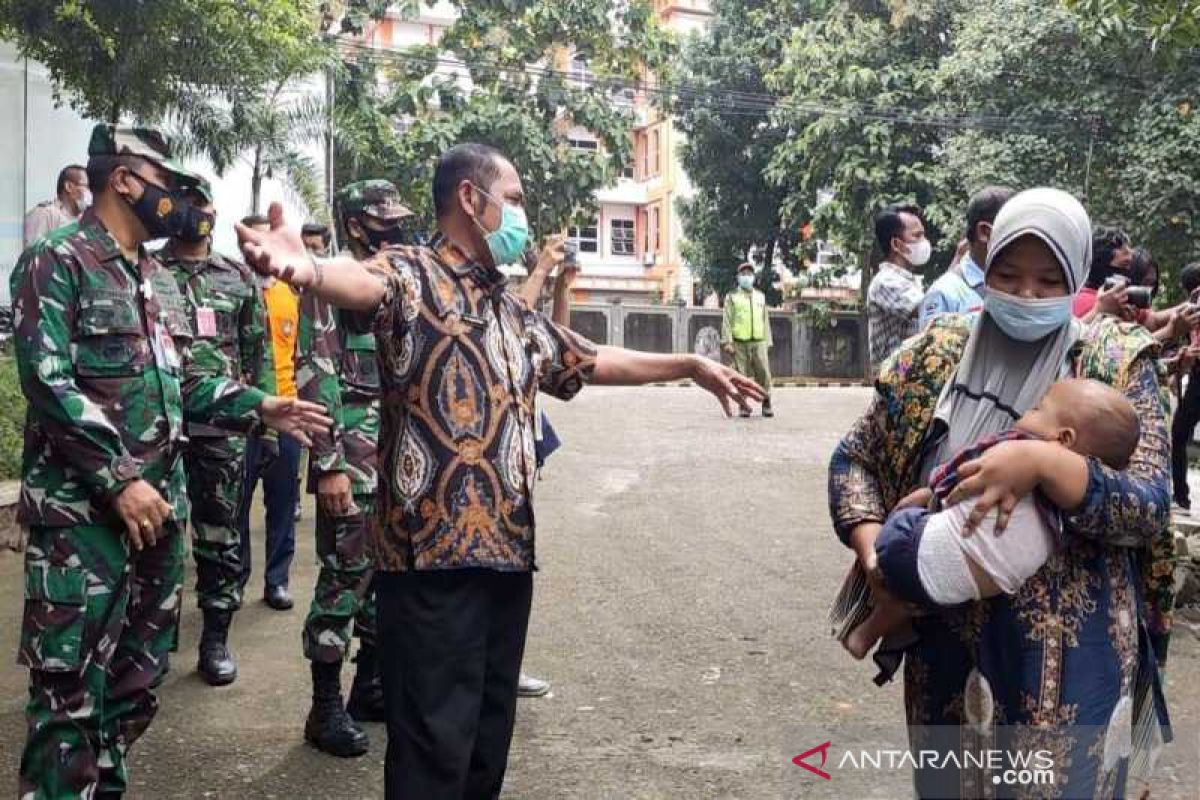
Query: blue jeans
{"x": 281, "y": 487}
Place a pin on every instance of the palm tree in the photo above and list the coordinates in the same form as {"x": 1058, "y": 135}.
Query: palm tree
{"x": 266, "y": 131}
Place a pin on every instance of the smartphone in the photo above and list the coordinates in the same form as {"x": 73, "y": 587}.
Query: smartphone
{"x": 1138, "y": 296}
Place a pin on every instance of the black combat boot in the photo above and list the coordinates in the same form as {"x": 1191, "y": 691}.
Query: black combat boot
{"x": 366, "y": 693}
{"x": 329, "y": 728}
{"x": 216, "y": 663}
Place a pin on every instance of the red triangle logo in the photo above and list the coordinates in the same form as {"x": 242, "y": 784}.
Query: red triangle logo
{"x": 823, "y": 750}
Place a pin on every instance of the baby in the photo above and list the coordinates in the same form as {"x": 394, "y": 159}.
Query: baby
{"x": 927, "y": 559}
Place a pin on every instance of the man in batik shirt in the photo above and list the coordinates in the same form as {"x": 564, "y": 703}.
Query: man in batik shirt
{"x": 460, "y": 361}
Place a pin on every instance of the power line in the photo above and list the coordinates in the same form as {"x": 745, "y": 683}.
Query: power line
{"x": 724, "y": 101}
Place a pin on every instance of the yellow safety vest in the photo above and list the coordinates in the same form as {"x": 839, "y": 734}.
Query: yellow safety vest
{"x": 749, "y": 315}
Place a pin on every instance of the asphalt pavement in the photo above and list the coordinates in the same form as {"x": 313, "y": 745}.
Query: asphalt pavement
{"x": 686, "y": 566}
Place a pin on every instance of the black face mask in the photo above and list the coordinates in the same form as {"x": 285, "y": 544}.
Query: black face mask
{"x": 162, "y": 213}
{"x": 393, "y": 235}
{"x": 197, "y": 225}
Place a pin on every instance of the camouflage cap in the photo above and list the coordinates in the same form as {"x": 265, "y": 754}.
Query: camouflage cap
{"x": 150, "y": 144}
{"x": 376, "y": 198}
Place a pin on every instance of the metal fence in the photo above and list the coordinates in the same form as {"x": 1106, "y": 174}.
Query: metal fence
{"x": 834, "y": 350}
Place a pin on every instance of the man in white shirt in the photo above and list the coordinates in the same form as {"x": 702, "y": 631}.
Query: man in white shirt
{"x": 894, "y": 296}
{"x": 73, "y": 196}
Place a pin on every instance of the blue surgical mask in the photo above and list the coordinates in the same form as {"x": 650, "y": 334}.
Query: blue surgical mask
{"x": 745, "y": 281}
{"x": 1027, "y": 320}
{"x": 507, "y": 242}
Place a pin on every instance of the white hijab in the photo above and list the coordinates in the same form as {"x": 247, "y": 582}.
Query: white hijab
{"x": 999, "y": 378}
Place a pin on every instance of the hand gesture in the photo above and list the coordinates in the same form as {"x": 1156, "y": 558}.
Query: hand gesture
{"x": 279, "y": 252}
{"x": 296, "y": 418}
{"x": 334, "y": 495}
{"x": 726, "y": 385}
{"x": 999, "y": 479}
{"x": 143, "y": 510}
{"x": 551, "y": 256}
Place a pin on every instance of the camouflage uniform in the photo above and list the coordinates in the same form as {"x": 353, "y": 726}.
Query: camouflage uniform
{"x": 338, "y": 370}
{"x": 101, "y": 342}
{"x": 229, "y": 318}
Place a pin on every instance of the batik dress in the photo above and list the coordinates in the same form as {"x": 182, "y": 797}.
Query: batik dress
{"x": 1057, "y": 666}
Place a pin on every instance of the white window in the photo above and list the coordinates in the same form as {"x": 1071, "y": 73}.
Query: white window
{"x": 586, "y": 237}
{"x": 622, "y": 237}
{"x": 583, "y": 144}
{"x": 580, "y": 75}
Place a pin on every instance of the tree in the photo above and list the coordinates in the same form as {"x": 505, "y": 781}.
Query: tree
{"x": 1166, "y": 25}
{"x": 521, "y": 99}
{"x": 849, "y": 79}
{"x": 267, "y": 127}
{"x": 120, "y": 58}
{"x": 735, "y": 212}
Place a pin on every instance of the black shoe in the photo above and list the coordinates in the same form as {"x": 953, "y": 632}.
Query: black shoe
{"x": 328, "y": 727}
{"x": 767, "y": 412}
{"x": 366, "y": 693}
{"x": 216, "y": 664}
{"x": 744, "y": 413}
{"x": 278, "y": 598}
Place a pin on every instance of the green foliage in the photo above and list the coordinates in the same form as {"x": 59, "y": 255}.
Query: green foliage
{"x": 930, "y": 100}
{"x": 12, "y": 420}
{"x": 524, "y": 112}
{"x": 142, "y": 59}
{"x": 1168, "y": 25}
{"x": 862, "y": 66}
{"x": 735, "y": 213}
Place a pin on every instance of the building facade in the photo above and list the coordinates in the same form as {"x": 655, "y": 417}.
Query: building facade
{"x": 631, "y": 249}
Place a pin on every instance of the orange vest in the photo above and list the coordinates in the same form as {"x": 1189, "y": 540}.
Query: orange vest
{"x": 283, "y": 312}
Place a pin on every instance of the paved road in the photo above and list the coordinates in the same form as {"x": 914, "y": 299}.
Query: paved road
{"x": 687, "y": 563}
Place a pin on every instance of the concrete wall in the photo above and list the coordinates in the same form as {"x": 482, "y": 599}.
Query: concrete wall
{"x": 833, "y": 351}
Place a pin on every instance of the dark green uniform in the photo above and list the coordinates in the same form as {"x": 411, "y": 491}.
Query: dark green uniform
{"x": 338, "y": 370}
{"x": 228, "y": 316}
{"x": 101, "y": 344}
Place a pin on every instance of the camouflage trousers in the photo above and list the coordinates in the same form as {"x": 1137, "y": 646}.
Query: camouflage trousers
{"x": 343, "y": 597}
{"x": 215, "y": 471}
{"x": 98, "y": 626}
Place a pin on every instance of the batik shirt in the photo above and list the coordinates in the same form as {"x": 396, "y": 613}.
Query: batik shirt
{"x": 102, "y": 343}
{"x": 1061, "y": 657}
{"x": 461, "y": 361}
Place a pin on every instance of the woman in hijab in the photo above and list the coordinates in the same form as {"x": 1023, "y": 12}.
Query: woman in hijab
{"x": 1061, "y": 665}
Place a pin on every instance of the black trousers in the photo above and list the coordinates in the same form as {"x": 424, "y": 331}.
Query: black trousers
{"x": 450, "y": 647}
{"x": 1182, "y": 427}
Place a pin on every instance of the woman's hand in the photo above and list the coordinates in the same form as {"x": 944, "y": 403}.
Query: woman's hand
{"x": 1114, "y": 301}
{"x": 999, "y": 479}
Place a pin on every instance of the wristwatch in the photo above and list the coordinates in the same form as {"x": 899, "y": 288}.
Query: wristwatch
{"x": 126, "y": 468}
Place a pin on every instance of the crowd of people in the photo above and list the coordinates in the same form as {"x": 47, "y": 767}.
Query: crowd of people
{"x": 164, "y": 386}
{"x": 1027, "y": 393}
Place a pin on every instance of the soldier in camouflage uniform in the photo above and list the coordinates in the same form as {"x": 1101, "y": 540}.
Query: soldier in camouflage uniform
{"x": 102, "y": 338}
{"x": 338, "y": 370}
{"x": 228, "y": 318}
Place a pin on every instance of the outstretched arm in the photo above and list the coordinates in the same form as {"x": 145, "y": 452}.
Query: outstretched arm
{"x": 616, "y": 366}
{"x": 280, "y": 252}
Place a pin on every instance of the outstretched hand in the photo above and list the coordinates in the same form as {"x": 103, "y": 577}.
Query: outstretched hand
{"x": 278, "y": 252}
{"x": 296, "y": 418}
{"x": 729, "y": 387}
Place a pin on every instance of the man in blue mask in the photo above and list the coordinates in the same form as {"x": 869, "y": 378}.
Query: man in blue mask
{"x": 460, "y": 361}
